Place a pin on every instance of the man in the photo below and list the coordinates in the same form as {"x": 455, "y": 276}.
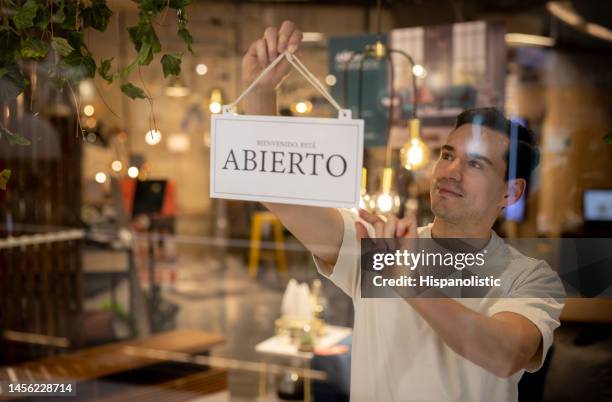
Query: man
{"x": 420, "y": 349}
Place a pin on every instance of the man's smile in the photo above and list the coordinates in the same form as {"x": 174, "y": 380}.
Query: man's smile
{"x": 448, "y": 191}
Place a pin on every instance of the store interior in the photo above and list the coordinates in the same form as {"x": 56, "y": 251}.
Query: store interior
{"x": 119, "y": 271}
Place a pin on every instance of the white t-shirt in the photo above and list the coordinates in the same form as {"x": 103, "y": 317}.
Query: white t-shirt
{"x": 396, "y": 355}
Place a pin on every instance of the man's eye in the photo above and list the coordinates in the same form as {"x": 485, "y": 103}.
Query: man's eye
{"x": 475, "y": 164}
{"x": 446, "y": 155}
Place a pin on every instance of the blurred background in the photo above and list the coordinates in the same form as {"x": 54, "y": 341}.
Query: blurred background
{"x": 119, "y": 273}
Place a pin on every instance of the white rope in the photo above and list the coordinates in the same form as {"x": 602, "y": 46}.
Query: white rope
{"x": 302, "y": 69}
{"x": 312, "y": 79}
{"x": 254, "y": 83}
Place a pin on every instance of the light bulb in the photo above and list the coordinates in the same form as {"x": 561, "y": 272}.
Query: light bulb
{"x": 330, "y": 80}
{"x": 153, "y": 137}
{"x": 116, "y": 166}
{"x": 415, "y": 153}
{"x": 133, "y": 172}
{"x": 419, "y": 71}
{"x": 387, "y": 201}
{"x": 302, "y": 107}
{"x": 384, "y": 202}
{"x": 365, "y": 202}
{"x": 215, "y": 107}
{"x": 201, "y": 69}
{"x": 89, "y": 110}
{"x": 100, "y": 177}
{"x": 216, "y": 99}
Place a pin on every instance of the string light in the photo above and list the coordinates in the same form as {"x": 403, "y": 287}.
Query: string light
{"x": 133, "y": 172}
{"x": 100, "y": 177}
{"x": 201, "y": 69}
{"x": 216, "y": 100}
{"x": 387, "y": 201}
{"x": 419, "y": 71}
{"x": 153, "y": 137}
{"x": 415, "y": 153}
{"x": 89, "y": 110}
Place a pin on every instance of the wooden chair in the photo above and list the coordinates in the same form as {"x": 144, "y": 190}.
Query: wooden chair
{"x": 258, "y": 220}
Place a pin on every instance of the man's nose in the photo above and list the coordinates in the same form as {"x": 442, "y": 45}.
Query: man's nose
{"x": 454, "y": 170}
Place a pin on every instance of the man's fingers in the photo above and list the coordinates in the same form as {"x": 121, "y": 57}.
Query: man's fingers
{"x": 271, "y": 37}
{"x": 411, "y": 227}
{"x": 390, "y": 227}
{"x": 379, "y": 228}
{"x": 406, "y": 227}
{"x": 295, "y": 40}
{"x": 369, "y": 217}
{"x": 284, "y": 33}
{"x": 262, "y": 53}
{"x": 362, "y": 232}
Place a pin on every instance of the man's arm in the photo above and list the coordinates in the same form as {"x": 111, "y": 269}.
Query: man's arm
{"x": 319, "y": 229}
{"x": 502, "y": 344}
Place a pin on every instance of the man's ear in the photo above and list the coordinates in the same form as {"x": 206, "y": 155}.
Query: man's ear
{"x": 514, "y": 191}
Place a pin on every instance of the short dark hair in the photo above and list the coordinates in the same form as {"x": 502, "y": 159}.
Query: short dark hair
{"x": 523, "y": 155}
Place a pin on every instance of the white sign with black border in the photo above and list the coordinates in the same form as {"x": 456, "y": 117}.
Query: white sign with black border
{"x": 290, "y": 160}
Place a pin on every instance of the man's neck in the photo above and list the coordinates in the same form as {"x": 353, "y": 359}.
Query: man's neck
{"x": 445, "y": 229}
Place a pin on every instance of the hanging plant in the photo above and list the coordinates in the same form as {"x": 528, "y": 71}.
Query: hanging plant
{"x": 53, "y": 30}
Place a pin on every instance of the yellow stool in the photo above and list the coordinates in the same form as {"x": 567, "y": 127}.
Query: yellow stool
{"x": 257, "y": 221}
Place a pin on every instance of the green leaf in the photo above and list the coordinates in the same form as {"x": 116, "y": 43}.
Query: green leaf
{"x": 34, "y": 49}
{"x": 104, "y": 70}
{"x": 9, "y": 43}
{"x": 12, "y": 81}
{"x": 69, "y": 21}
{"x": 60, "y": 14}
{"x": 184, "y": 34}
{"x": 608, "y": 138}
{"x": 26, "y": 14}
{"x": 76, "y": 67}
{"x": 75, "y": 39}
{"x": 13, "y": 138}
{"x": 90, "y": 65}
{"x": 144, "y": 33}
{"x": 133, "y": 91}
{"x": 171, "y": 64}
{"x": 145, "y": 55}
{"x": 61, "y": 46}
{"x": 42, "y": 18}
{"x": 5, "y": 175}
{"x": 97, "y": 15}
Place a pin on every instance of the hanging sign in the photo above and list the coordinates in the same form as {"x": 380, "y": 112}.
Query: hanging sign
{"x": 290, "y": 160}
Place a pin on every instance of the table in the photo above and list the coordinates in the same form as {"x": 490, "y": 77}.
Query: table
{"x": 280, "y": 346}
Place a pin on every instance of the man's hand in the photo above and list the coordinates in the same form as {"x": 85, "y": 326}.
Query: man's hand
{"x": 264, "y": 50}
{"x": 392, "y": 227}
{"x": 390, "y": 235}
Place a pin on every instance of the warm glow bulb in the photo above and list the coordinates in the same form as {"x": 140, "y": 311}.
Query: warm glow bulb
{"x": 215, "y": 107}
{"x": 133, "y": 172}
{"x": 116, "y": 166}
{"x": 153, "y": 137}
{"x": 100, "y": 177}
{"x": 201, "y": 69}
{"x": 384, "y": 202}
{"x": 89, "y": 110}
{"x": 365, "y": 202}
{"x": 415, "y": 153}
{"x": 216, "y": 99}
{"x": 419, "y": 70}
{"x": 301, "y": 107}
{"x": 330, "y": 80}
